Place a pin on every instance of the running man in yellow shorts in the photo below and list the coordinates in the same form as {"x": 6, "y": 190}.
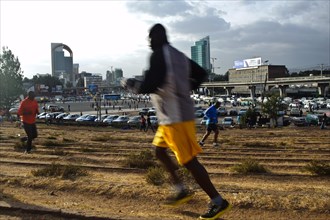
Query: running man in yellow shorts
{"x": 170, "y": 78}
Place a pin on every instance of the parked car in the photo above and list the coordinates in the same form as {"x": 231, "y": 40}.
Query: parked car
{"x": 110, "y": 118}
{"x": 98, "y": 119}
{"x": 134, "y": 121}
{"x": 13, "y": 111}
{"x": 144, "y": 111}
{"x": 54, "y": 108}
{"x": 199, "y": 113}
{"x": 154, "y": 120}
{"x": 222, "y": 112}
{"x": 89, "y": 118}
{"x": 227, "y": 122}
{"x": 295, "y": 112}
{"x": 81, "y": 118}
{"x": 42, "y": 115}
{"x": 120, "y": 120}
{"x": 62, "y": 115}
{"x": 299, "y": 121}
{"x": 52, "y": 115}
{"x": 151, "y": 112}
{"x": 71, "y": 117}
{"x": 242, "y": 111}
{"x": 233, "y": 112}
{"x": 312, "y": 119}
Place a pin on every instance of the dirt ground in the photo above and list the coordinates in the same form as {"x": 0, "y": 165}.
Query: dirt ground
{"x": 112, "y": 190}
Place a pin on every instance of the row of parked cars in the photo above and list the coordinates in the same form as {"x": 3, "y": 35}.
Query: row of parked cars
{"x": 105, "y": 119}
{"x": 284, "y": 118}
{"x": 199, "y": 113}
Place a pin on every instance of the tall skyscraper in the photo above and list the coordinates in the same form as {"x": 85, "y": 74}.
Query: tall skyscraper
{"x": 113, "y": 77}
{"x": 62, "y": 66}
{"x": 200, "y": 53}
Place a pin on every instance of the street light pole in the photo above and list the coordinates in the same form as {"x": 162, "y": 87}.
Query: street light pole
{"x": 322, "y": 69}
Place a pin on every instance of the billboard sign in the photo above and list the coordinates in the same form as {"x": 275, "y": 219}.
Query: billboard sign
{"x": 238, "y": 64}
{"x": 247, "y": 63}
{"x": 93, "y": 88}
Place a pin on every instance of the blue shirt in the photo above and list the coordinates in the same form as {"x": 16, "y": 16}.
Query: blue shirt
{"x": 212, "y": 115}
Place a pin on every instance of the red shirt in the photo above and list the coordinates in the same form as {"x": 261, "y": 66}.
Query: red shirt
{"x": 28, "y": 110}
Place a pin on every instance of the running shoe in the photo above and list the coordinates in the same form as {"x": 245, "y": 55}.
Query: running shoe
{"x": 215, "y": 144}
{"x": 216, "y": 211}
{"x": 23, "y": 139}
{"x": 201, "y": 143}
{"x": 178, "y": 199}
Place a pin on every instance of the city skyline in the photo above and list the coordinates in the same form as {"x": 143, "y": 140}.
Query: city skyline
{"x": 105, "y": 34}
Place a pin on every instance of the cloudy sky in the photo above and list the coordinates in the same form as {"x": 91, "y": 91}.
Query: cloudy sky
{"x": 113, "y": 34}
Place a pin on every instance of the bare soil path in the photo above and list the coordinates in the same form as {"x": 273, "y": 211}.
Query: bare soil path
{"x": 112, "y": 190}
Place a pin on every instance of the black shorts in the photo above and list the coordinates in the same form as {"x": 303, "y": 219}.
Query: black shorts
{"x": 212, "y": 127}
{"x": 31, "y": 130}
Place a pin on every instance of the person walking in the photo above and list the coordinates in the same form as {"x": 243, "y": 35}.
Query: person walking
{"x": 28, "y": 110}
{"x": 324, "y": 121}
{"x": 211, "y": 124}
{"x": 169, "y": 80}
{"x": 142, "y": 123}
{"x": 149, "y": 124}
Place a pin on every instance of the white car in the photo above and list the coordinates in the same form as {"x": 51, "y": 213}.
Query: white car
{"x": 81, "y": 118}
{"x": 328, "y": 105}
{"x": 154, "y": 120}
{"x": 42, "y": 115}
{"x": 102, "y": 118}
{"x": 295, "y": 112}
{"x": 120, "y": 120}
{"x": 71, "y": 117}
{"x": 312, "y": 105}
{"x": 62, "y": 115}
{"x": 13, "y": 110}
{"x": 110, "y": 118}
{"x": 227, "y": 122}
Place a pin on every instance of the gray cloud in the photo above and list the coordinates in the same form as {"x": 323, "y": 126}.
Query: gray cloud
{"x": 291, "y": 33}
{"x": 158, "y": 8}
{"x": 288, "y": 44}
{"x": 193, "y": 24}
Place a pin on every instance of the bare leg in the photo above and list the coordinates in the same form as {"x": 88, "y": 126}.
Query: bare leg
{"x": 201, "y": 176}
{"x": 216, "y": 134}
{"x": 206, "y": 135}
{"x": 171, "y": 167}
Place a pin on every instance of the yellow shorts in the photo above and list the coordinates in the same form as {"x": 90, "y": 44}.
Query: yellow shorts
{"x": 180, "y": 138}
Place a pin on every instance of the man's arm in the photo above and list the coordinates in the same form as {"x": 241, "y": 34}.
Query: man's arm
{"x": 153, "y": 78}
{"x": 197, "y": 76}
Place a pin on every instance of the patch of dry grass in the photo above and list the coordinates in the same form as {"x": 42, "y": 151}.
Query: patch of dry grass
{"x": 317, "y": 167}
{"x": 58, "y": 170}
{"x": 248, "y": 166}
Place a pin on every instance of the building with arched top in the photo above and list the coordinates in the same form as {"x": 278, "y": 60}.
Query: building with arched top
{"x": 62, "y": 66}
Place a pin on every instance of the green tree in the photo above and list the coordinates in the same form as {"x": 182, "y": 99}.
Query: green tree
{"x": 11, "y": 78}
{"x": 69, "y": 85}
{"x": 47, "y": 80}
{"x": 218, "y": 77}
{"x": 272, "y": 107}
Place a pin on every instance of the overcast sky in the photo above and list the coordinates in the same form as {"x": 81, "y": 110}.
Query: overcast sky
{"x": 105, "y": 34}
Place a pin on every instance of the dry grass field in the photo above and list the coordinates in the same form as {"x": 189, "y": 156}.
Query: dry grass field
{"x": 89, "y": 176}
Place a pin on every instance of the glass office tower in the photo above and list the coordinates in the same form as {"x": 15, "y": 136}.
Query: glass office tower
{"x": 200, "y": 53}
